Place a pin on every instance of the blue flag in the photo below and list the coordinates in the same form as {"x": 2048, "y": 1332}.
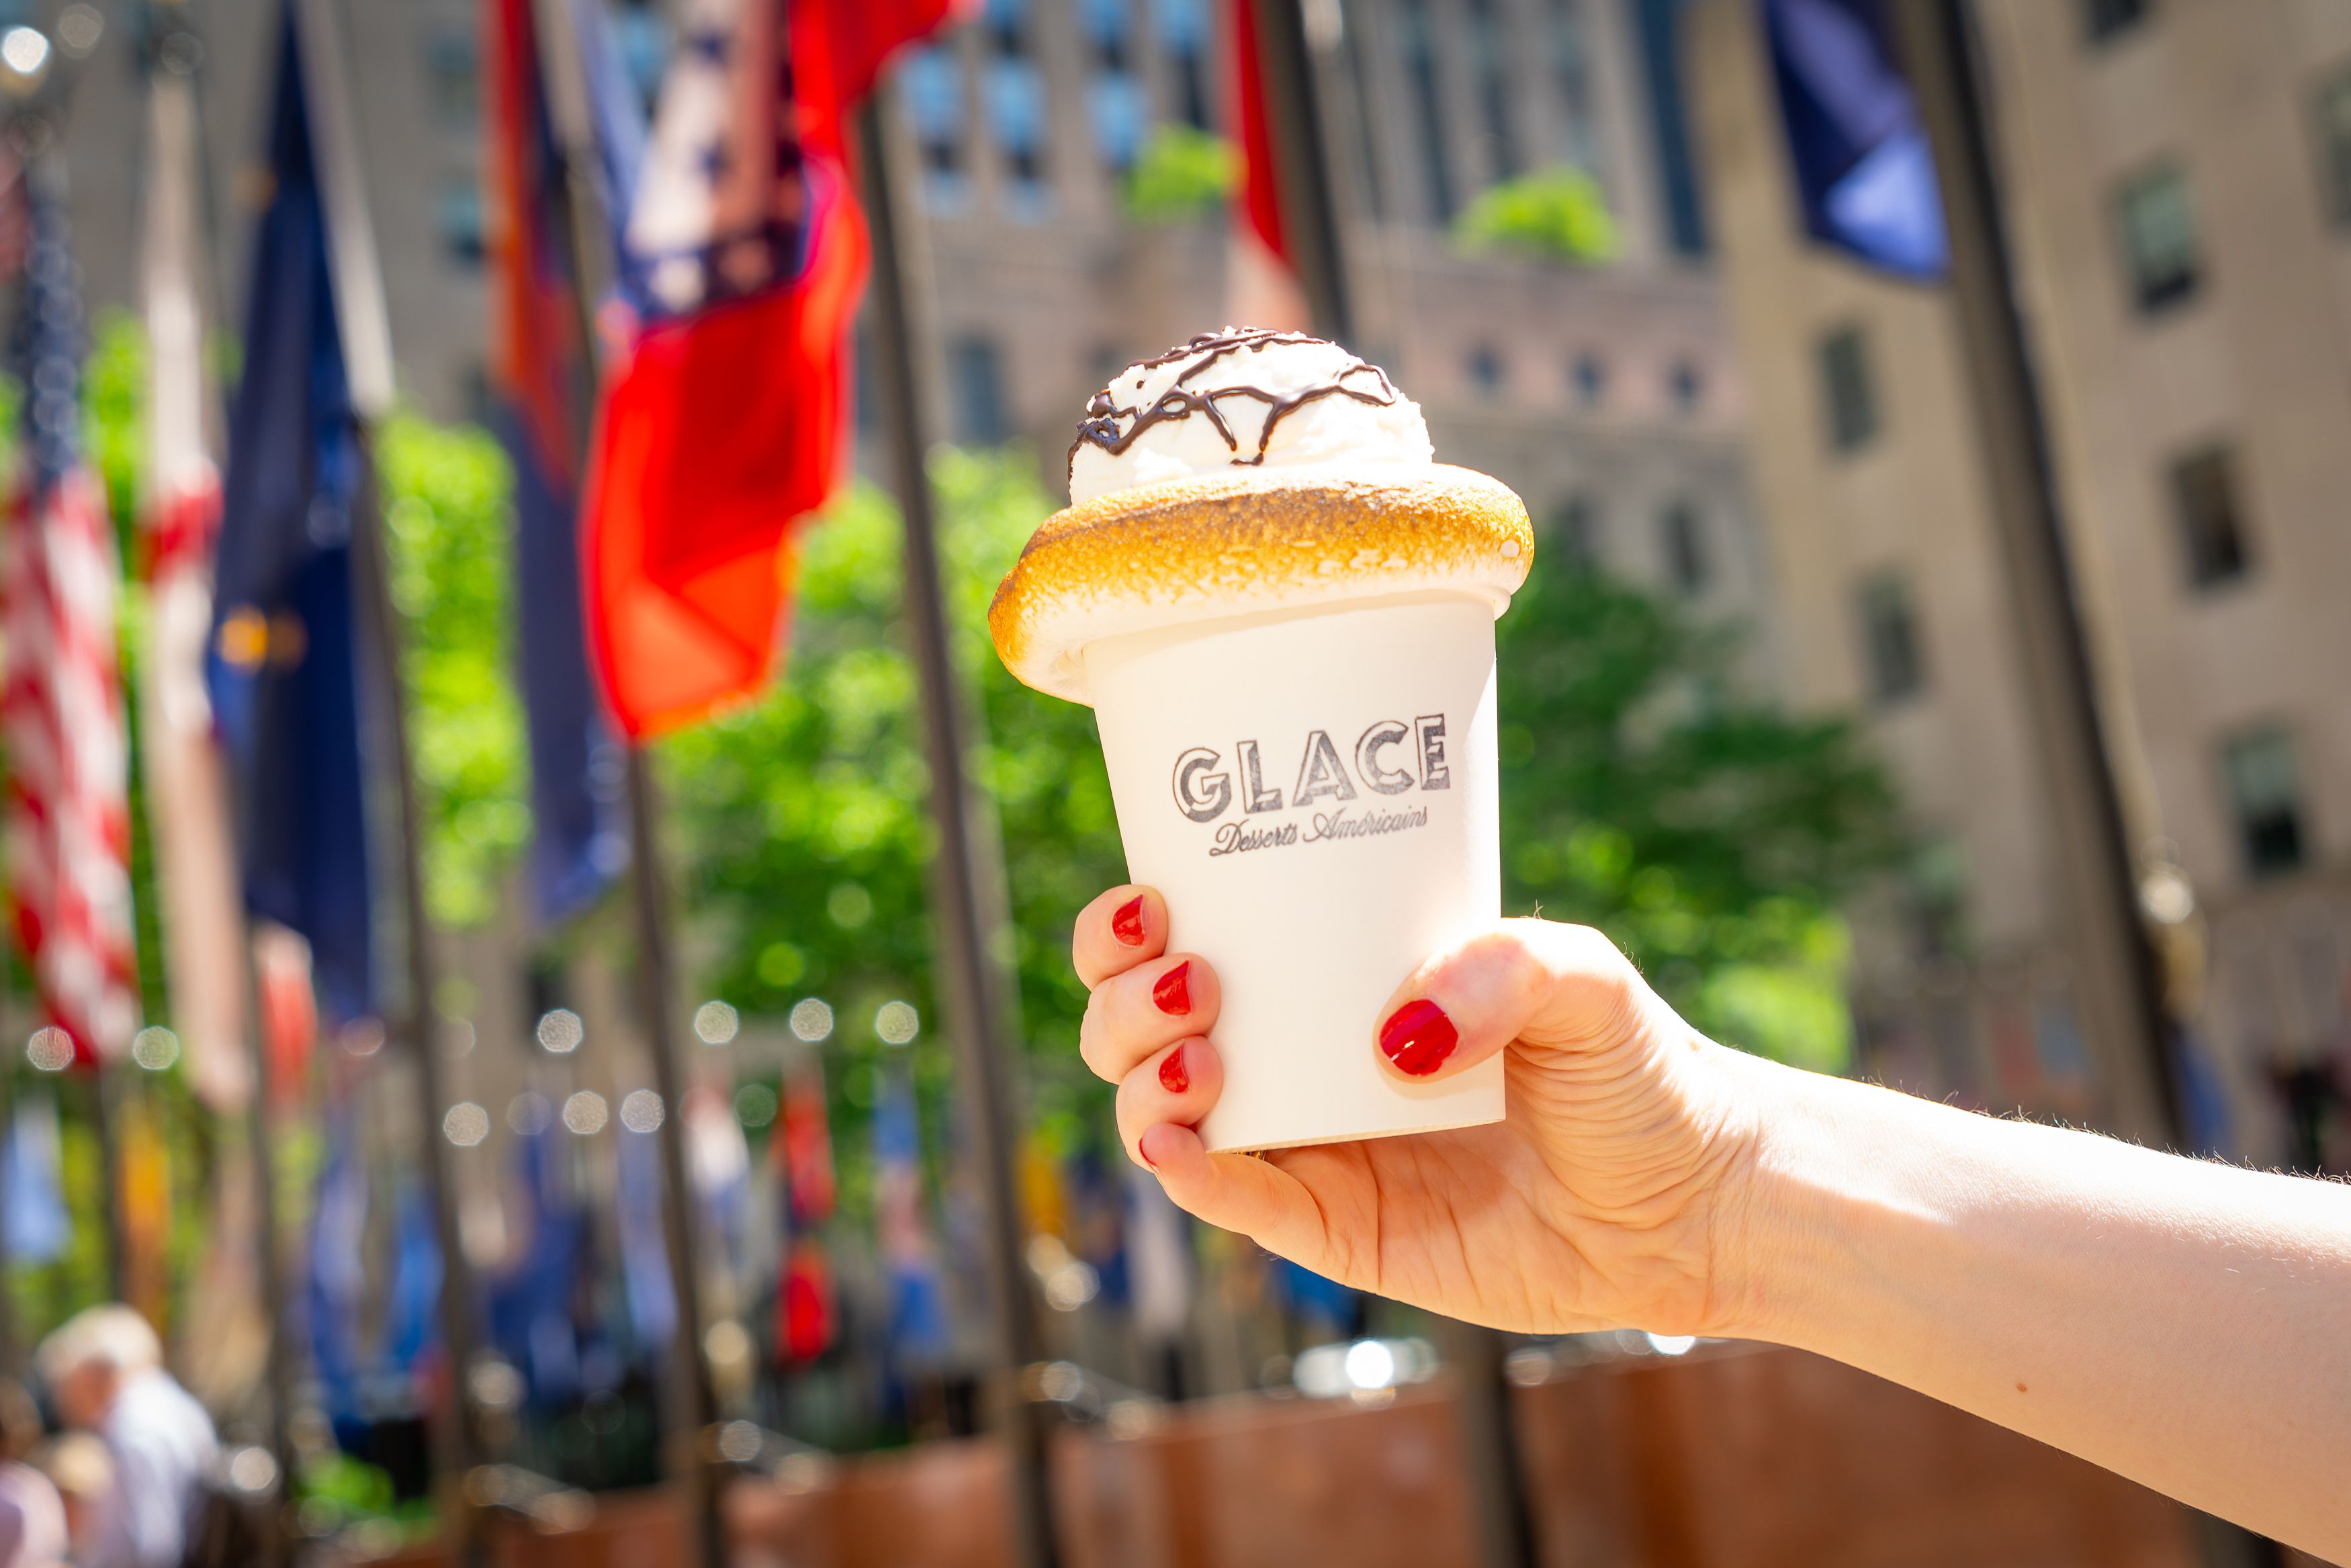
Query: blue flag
{"x": 282, "y": 666}
{"x": 1865, "y": 174}
{"x": 533, "y": 1300}
{"x": 37, "y": 1229}
{"x": 539, "y": 375}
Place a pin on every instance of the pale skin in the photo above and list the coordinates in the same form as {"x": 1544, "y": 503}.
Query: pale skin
{"x": 2185, "y": 1324}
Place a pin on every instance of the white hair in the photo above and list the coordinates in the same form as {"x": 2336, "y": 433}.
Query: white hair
{"x": 112, "y": 1335}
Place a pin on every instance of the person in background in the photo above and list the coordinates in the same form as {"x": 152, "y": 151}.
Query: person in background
{"x": 104, "y": 1369}
{"x": 32, "y": 1514}
{"x": 81, "y": 1474}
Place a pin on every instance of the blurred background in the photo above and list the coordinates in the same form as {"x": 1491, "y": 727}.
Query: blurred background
{"x": 1932, "y": 671}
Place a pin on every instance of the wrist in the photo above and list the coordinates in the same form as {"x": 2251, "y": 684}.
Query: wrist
{"x": 1819, "y": 1156}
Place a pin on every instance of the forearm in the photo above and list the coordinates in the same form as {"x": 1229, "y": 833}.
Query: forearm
{"x": 2185, "y": 1324}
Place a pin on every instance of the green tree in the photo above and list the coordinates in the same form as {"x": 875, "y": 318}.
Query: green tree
{"x": 803, "y": 818}
{"x": 448, "y": 494}
{"x": 1712, "y": 836}
{"x": 1182, "y": 173}
{"x": 1553, "y": 214}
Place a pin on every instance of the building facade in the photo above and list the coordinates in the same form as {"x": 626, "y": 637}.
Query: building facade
{"x": 2177, "y": 176}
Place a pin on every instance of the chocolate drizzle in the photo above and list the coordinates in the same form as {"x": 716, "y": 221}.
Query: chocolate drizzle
{"x": 1101, "y": 425}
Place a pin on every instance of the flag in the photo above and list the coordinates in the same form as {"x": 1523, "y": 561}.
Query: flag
{"x": 538, "y": 376}
{"x": 37, "y": 1229}
{"x": 60, "y": 698}
{"x": 741, "y": 254}
{"x": 1263, "y": 287}
{"x": 1865, "y": 174}
{"x": 282, "y": 665}
{"x": 1159, "y": 1259}
{"x": 532, "y": 1299}
{"x": 918, "y": 1333}
{"x": 644, "y": 1251}
{"x": 808, "y": 1317}
{"x": 187, "y": 801}
{"x": 143, "y": 1181}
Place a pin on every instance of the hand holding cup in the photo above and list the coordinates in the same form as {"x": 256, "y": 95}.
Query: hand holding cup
{"x": 1610, "y": 1196}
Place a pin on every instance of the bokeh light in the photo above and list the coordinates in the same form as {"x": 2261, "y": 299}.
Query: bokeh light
{"x": 465, "y": 1125}
{"x": 714, "y": 1022}
{"x": 811, "y": 1018}
{"x": 155, "y": 1048}
{"x": 585, "y": 1113}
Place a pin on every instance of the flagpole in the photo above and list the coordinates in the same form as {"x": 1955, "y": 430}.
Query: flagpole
{"x": 367, "y": 350}
{"x": 1491, "y": 1454}
{"x": 967, "y": 886}
{"x": 692, "y": 1407}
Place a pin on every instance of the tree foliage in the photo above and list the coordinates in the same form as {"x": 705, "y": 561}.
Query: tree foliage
{"x": 1712, "y": 836}
{"x": 1553, "y": 214}
{"x": 803, "y": 818}
{"x": 447, "y": 491}
{"x": 1182, "y": 173}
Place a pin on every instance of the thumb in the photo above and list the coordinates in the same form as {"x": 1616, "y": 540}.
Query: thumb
{"x": 1547, "y": 985}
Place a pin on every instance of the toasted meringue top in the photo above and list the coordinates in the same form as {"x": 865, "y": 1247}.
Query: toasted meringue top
{"x": 1247, "y": 472}
{"x": 1241, "y": 398}
{"x": 1248, "y": 541}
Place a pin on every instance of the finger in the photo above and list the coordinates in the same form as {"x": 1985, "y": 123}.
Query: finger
{"x": 1125, "y": 927}
{"x": 1178, "y": 1084}
{"x": 1134, "y": 1015}
{"x": 1256, "y": 1197}
{"x": 1547, "y": 984}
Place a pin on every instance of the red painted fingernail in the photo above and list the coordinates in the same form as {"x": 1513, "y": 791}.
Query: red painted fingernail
{"x": 1419, "y": 1037}
{"x": 1172, "y": 993}
{"x": 1172, "y": 1076}
{"x": 1126, "y": 922}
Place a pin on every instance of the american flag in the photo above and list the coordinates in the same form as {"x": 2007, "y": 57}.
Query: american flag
{"x": 60, "y": 698}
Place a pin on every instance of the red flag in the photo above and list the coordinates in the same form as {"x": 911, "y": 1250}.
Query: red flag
{"x": 1263, "y": 290}
{"x": 742, "y": 256}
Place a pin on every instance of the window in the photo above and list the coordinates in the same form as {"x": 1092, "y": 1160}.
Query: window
{"x": 1576, "y": 527}
{"x": 975, "y": 372}
{"x": 453, "y": 61}
{"x": 1184, "y": 40}
{"x": 1889, "y": 641}
{"x": 1110, "y": 33}
{"x": 1361, "y": 97}
{"x": 1686, "y": 384}
{"x": 1419, "y": 48}
{"x": 1487, "y": 373}
{"x": 2266, "y": 790}
{"x": 457, "y": 213}
{"x": 1684, "y": 541}
{"x": 1115, "y": 100}
{"x": 2159, "y": 237}
{"x": 1570, "y": 73}
{"x": 2101, "y": 19}
{"x": 1846, "y": 391}
{"x": 2211, "y": 532}
{"x": 1014, "y": 91}
{"x": 1489, "y": 55}
{"x": 1590, "y": 374}
{"x": 931, "y": 84}
{"x": 2334, "y": 106}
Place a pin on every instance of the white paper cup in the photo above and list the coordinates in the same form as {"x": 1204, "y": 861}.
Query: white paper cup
{"x": 1315, "y": 792}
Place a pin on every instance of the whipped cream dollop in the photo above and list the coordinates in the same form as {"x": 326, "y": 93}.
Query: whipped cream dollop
{"x": 1242, "y": 397}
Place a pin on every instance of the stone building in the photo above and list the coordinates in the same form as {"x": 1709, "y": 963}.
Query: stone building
{"x": 1606, "y": 394}
{"x": 2177, "y": 175}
